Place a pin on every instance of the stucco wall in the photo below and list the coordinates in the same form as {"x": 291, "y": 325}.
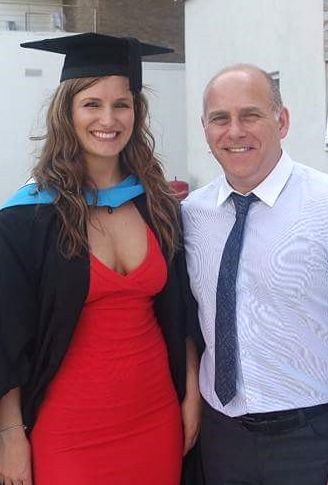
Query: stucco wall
{"x": 277, "y": 35}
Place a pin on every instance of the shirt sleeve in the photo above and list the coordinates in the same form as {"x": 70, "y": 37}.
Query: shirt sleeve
{"x": 18, "y": 315}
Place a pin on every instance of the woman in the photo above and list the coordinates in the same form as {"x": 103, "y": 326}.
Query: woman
{"x": 92, "y": 314}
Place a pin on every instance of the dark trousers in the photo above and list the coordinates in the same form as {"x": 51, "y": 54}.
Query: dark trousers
{"x": 233, "y": 455}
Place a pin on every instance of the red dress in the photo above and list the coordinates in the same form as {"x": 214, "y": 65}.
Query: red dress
{"x": 111, "y": 414}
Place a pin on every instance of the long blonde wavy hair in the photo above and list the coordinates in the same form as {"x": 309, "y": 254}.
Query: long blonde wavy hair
{"x": 61, "y": 167}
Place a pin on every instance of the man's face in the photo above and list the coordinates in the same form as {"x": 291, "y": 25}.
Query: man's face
{"x": 241, "y": 128}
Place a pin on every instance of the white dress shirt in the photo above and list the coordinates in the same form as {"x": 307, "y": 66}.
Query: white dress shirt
{"x": 281, "y": 288}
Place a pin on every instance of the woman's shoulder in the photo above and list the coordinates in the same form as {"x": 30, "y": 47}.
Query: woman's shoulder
{"x": 23, "y": 225}
{"x": 27, "y": 214}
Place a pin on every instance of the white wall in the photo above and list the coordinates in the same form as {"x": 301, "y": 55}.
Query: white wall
{"x": 167, "y": 105}
{"x": 23, "y": 96}
{"x": 277, "y": 35}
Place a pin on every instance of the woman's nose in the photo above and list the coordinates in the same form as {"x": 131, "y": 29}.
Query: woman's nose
{"x": 107, "y": 117}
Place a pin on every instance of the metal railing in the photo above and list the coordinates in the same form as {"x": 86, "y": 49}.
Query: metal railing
{"x": 31, "y": 16}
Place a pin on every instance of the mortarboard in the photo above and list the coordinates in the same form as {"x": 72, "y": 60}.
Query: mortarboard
{"x": 96, "y": 55}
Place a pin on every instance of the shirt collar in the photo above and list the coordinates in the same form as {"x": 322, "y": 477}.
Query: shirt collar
{"x": 269, "y": 189}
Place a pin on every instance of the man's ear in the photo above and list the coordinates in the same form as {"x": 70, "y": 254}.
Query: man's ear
{"x": 284, "y": 122}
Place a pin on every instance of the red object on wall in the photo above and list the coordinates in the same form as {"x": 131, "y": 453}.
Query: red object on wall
{"x": 180, "y": 188}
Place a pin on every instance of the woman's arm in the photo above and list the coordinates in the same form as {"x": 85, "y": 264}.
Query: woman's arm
{"x": 191, "y": 405}
{"x": 15, "y": 453}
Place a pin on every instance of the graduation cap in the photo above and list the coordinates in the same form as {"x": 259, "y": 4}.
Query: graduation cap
{"x": 96, "y": 55}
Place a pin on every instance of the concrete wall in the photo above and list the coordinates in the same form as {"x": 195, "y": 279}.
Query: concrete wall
{"x": 277, "y": 35}
{"x": 24, "y": 93}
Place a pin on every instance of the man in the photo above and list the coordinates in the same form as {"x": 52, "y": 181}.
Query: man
{"x": 260, "y": 277}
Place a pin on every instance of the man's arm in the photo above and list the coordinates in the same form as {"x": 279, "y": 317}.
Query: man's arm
{"x": 191, "y": 405}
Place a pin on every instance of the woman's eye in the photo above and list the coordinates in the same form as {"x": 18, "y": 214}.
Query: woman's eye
{"x": 121, "y": 105}
{"x": 91, "y": 104}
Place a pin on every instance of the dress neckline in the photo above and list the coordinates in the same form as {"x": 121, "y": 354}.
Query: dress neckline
{"x": 101, "y": 266}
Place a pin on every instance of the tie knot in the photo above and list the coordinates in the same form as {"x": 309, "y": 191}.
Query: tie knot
{"x": 242, "y": 203}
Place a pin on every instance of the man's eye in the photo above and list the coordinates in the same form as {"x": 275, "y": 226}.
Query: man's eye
{"x": 251, "y": 117}
{"x": 219, "y": 120}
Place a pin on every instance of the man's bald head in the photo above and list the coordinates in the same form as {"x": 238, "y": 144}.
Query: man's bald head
{"x": 274, "y": 92}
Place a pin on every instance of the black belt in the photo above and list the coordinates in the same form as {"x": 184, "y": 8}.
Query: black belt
{"x": 279, "y": 421}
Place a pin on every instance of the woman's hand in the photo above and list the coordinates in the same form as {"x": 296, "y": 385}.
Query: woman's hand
{"x": 15, "y": 458}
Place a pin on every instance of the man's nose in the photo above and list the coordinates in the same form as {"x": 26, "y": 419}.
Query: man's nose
{"x": 236, "y": 128}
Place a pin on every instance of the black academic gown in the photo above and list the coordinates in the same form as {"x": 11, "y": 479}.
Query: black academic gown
{"x": 42, "y": 295}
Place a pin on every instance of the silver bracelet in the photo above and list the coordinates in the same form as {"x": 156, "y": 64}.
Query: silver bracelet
{"x": 14, "y": 426}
